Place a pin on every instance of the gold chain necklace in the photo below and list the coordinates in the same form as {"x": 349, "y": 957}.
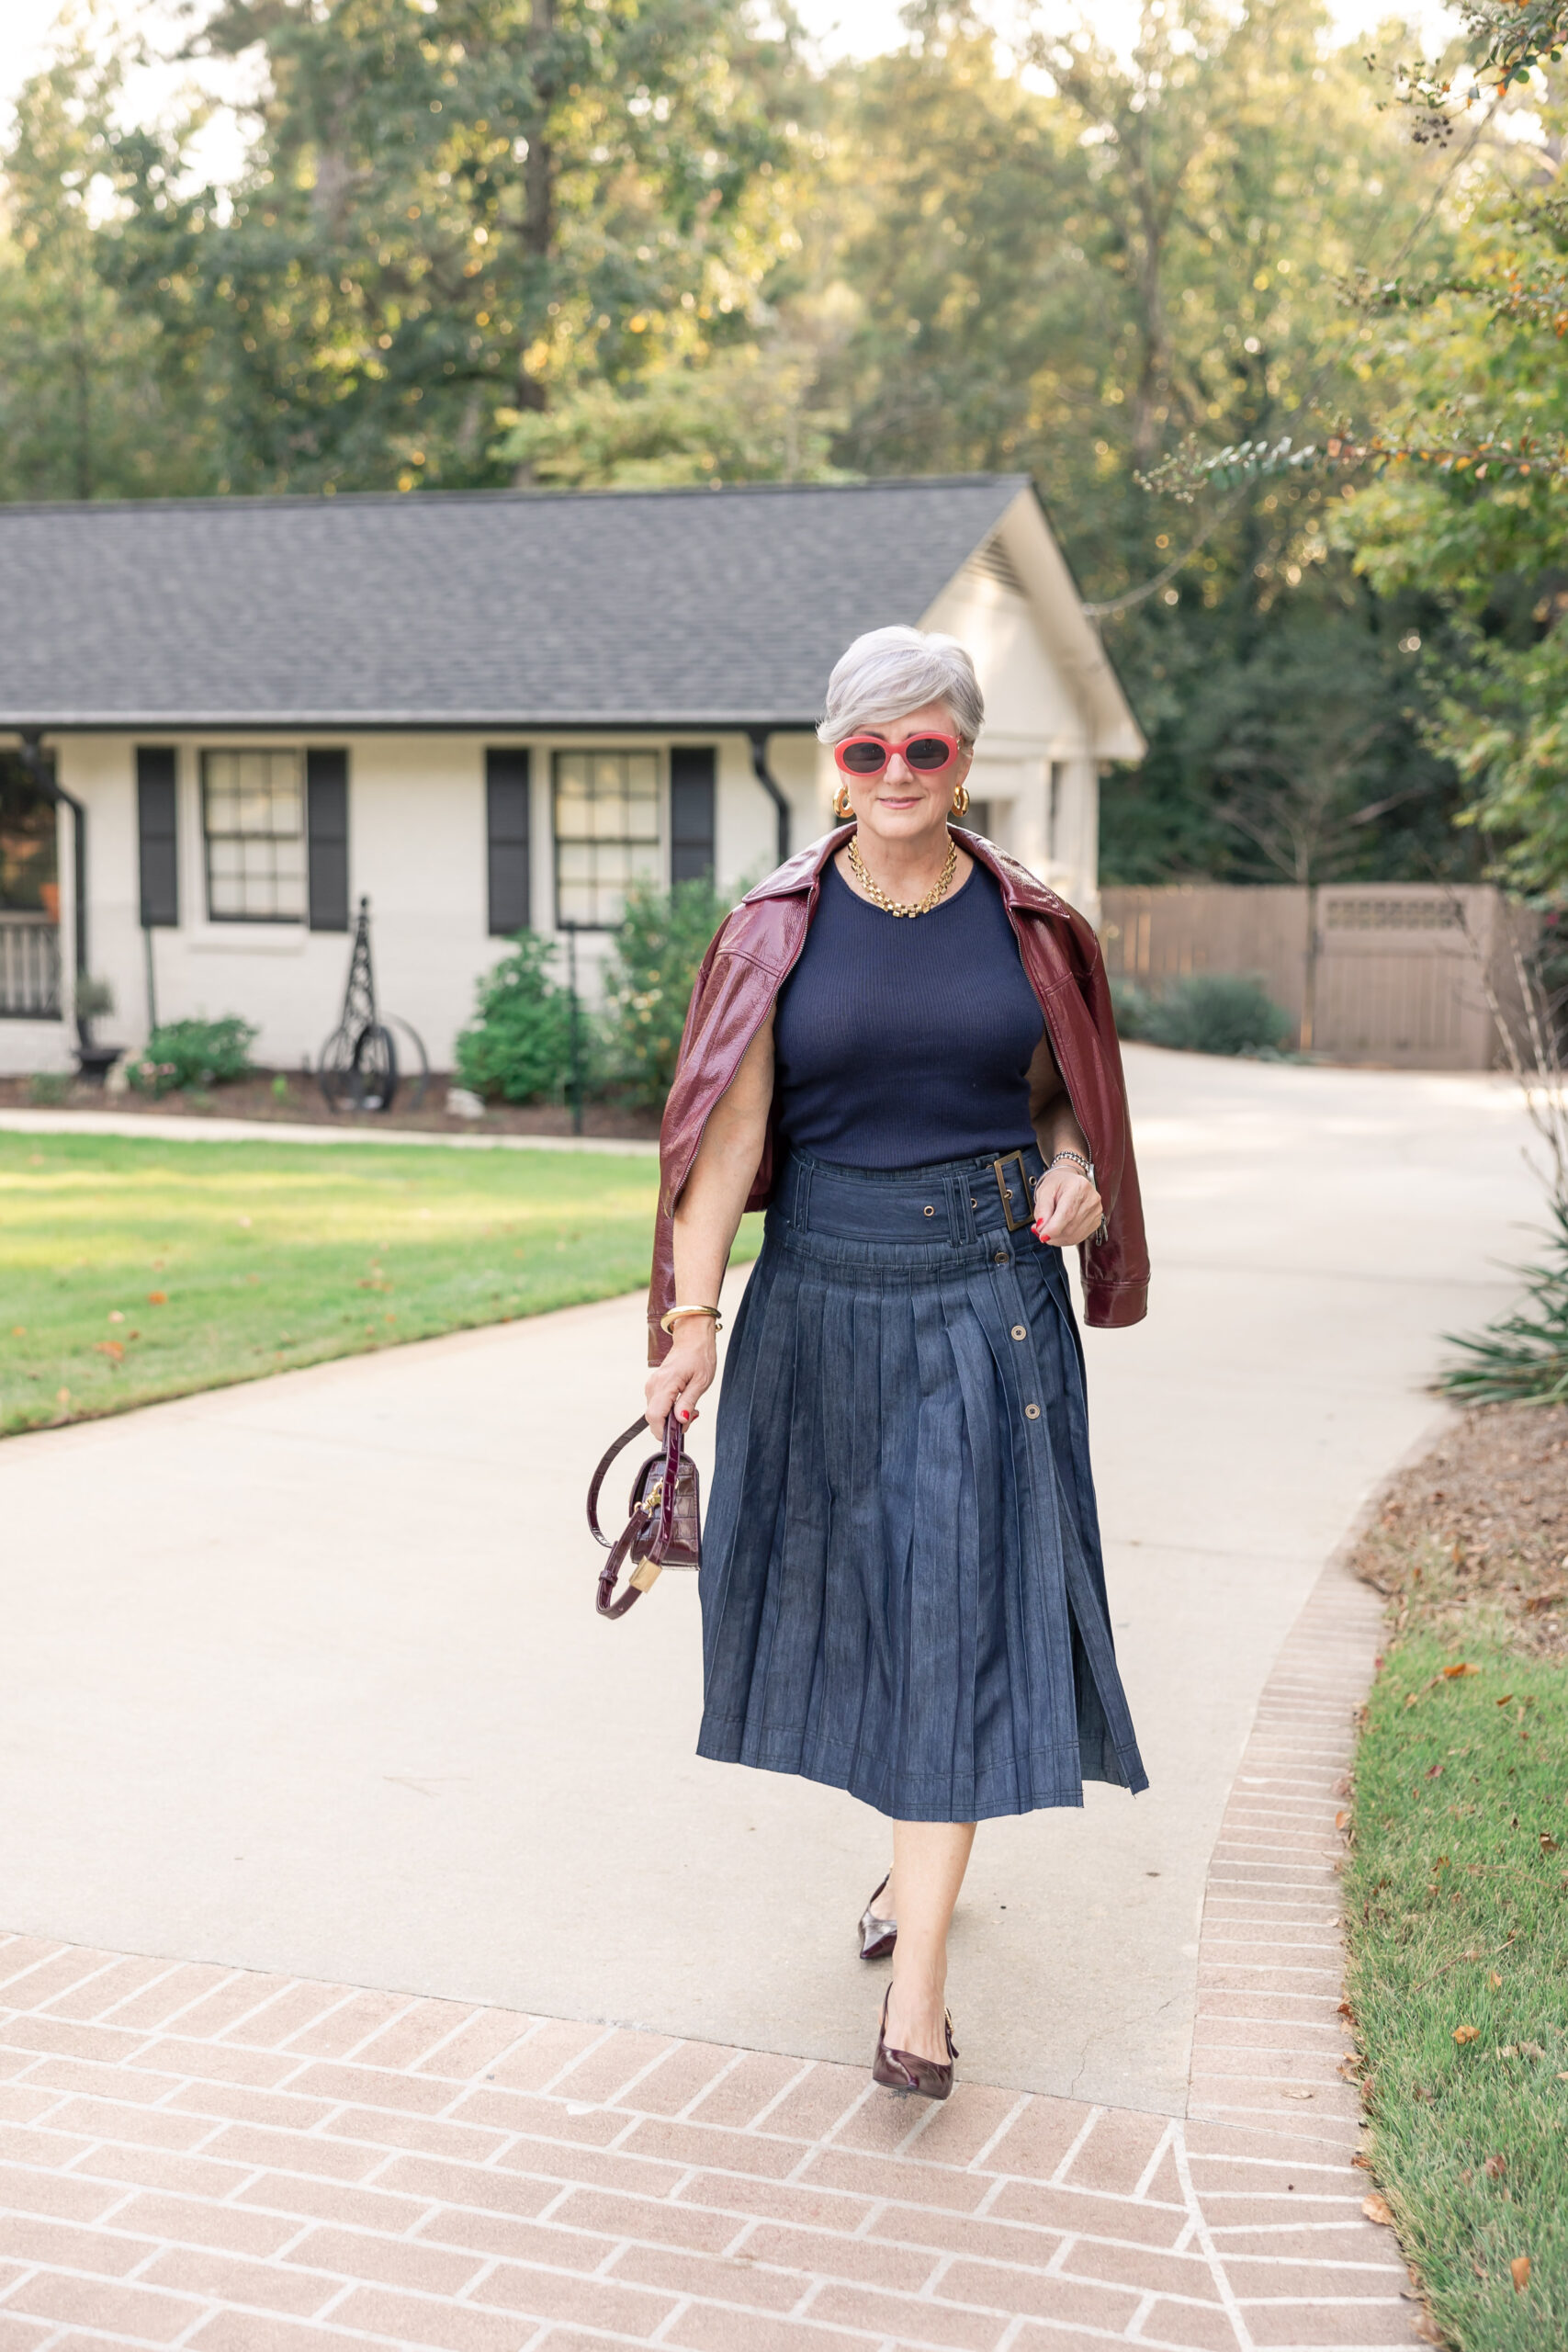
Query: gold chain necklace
{"x": 878, "y": 896}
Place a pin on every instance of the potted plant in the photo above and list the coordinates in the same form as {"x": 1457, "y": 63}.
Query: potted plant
{"x": 94, "y": 1062}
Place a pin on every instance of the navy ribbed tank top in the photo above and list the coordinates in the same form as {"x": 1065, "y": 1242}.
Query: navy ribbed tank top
{"x": 899, "y": 1041}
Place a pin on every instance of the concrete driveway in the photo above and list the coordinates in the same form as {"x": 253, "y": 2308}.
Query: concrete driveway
{"x": 305, "y": 1675}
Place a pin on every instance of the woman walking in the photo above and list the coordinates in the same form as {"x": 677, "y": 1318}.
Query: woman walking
{"x": 902, "y": 1044}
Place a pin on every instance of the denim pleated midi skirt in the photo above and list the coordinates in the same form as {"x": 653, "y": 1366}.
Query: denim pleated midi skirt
{"x": 902, "y": 1590}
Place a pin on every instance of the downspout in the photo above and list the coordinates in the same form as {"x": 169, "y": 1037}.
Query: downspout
{"x": 40, "y": 767}
{"x": 758, "y": 737}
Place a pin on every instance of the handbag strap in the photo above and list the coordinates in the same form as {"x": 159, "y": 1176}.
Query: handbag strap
{"x": 598, "y": 1480}
{"x": 672, "y": 1452}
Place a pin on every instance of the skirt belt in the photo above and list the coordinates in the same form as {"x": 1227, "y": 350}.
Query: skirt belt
{"x": 957, "y": 1201}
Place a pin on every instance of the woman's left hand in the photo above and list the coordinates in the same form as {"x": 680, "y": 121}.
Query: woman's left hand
{"x": 1068, "y": 1209}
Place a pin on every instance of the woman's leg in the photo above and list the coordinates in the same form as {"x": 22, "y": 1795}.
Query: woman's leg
{"x": 928, "y": 1861}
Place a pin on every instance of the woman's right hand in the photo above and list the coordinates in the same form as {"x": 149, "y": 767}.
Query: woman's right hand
{"x": 686, "y": 1374}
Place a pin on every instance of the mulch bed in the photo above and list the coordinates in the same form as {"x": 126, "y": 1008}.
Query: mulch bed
{"x": 1482, "y": 1518}
{"x": 255, "y": 1097}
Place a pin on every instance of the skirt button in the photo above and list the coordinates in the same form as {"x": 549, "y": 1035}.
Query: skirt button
{"x": 1032, "y": 1412}
{"x": 1019, "y": 1331}
{"x": 931, "y": 1212}
{"x": 1000, "y": 1259}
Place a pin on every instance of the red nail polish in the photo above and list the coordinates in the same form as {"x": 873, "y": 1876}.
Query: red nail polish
{"x": 684, "y": 1415}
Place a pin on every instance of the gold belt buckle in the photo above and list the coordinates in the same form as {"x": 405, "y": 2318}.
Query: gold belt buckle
{"x": 1014, "y": 1224}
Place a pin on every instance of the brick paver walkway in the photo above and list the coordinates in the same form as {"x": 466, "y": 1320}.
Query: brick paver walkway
{"x": 192, "y": 2155}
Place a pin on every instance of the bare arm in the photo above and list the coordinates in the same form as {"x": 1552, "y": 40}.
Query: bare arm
{"x": 1066, "y": 1207}
{"x": 705, "y": 1225}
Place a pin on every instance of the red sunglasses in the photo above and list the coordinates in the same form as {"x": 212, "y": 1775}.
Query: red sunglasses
{"x": 869, "y": 755}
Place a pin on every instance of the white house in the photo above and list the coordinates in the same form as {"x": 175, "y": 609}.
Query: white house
{"x": 221, "y": 721}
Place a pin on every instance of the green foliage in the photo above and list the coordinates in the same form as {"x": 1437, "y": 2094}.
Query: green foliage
{"x": 48, "y": 1088}
{"x": 650, "y": 979}
{"x": 736, "y": 419}
{"x": 1523, "y": 1356}
{"x": 1132, "y": 1005}
{"x": 1216, "y": 1012}
{"x": 1454, "y": 1893}
{"x": 520, "y": 1046}
{"x": 192, "y": 1054}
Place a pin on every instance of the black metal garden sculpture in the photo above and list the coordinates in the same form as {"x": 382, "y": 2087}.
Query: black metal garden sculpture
{"x": 359, "y": 1065}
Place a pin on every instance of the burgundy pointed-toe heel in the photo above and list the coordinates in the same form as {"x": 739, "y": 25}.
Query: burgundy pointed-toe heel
{"x": 877, "y": 1936}
{"x": 902, "y": 2071}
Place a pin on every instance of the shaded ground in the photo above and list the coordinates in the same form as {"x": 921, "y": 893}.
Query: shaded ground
{"x": 294, "y": 1095}
{"x": 1483, "y": 1518}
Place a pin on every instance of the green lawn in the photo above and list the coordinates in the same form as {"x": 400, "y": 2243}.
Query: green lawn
{"x": 131, "y": 1270}
{"x": 1457, "y": 1904}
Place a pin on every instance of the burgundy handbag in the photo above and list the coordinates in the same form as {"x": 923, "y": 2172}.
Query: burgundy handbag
{"x": 664, "y": 1530}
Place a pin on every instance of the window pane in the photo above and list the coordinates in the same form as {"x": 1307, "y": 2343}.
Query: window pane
{"x": 607, "y": 831}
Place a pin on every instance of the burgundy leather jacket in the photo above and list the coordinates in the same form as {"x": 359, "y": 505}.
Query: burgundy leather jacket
{"x": 741, "y": 974}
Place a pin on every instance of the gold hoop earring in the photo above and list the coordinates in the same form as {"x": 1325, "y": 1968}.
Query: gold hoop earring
{"x": 961, "y": 800}
{"x": 842, "y": 808}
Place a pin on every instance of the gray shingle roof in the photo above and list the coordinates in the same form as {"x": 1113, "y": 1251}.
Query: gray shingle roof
{"x": 655, "y": 607}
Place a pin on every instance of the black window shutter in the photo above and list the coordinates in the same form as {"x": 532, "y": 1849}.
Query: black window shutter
{"x": 691, "y": 811}
{"x": 326, "y": 797}
{"x": 507, "y": 838}
{"x": 156, "y": 836}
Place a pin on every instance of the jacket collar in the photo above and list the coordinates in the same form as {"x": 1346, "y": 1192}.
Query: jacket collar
{"x": 799, "y": 875}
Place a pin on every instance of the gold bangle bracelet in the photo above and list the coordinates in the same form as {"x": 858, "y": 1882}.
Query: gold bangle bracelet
{"x": 676, "y": 1314}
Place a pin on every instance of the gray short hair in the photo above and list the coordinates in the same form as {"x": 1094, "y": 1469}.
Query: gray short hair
{"x": 890, "y": 671}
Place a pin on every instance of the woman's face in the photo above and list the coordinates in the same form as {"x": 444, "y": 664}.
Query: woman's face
{"x": 901, "y": 805}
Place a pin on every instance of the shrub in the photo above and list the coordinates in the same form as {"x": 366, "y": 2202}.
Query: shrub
{"x": 1132, "y": 1005}
{"x": 1216, "y": 1013}
{"x": 193, "y": 1053}
{"x": 649, "y": 981}
{"x": 520, "y": 1046}
{"x": 46, "y": 1088}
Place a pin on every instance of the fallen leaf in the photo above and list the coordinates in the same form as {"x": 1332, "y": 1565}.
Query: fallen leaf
{"x": 115, "y": 1315}
{"x": 1344, "y": 2009}
{"x": 1463, "y": 2033}
{"x": 1495, "y": 2167}
{"x": 63, "y": 1396}
{"x": 1545, "y": 1600}
{"x": 1375, "y": 2209}
{"x": 18, "y": 1331}
{"x": 1434, "y": 1772}
{"x": 1340, "y": 1819}
{"x": 1495, "y": 1980}
{"x": 1450, "y": 1673}
{"x": 157, "y": 1298}
{"x": 1504, "y": 1699}
{"x": 1547, "y": 1842}
{"x": 1519, "y": 2271}
{"x": 1509, "y": 2050}
{"x": 1410, "y": 1698}
{"x": 110, "y": 1348}
{"x": 1531, "y": 2050}
{"x": 1289, "y": 2093}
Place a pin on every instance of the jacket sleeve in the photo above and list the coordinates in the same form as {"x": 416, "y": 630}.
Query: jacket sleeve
{"x": 1115, "y": 1266}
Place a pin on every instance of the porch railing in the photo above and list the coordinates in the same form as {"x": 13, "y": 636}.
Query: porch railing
{"x": 30, "y": 969}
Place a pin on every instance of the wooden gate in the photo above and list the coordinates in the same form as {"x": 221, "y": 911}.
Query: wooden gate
{"x": 1379, "y": 972}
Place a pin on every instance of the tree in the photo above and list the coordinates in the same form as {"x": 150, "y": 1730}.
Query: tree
{"x": 1072, "y": 279}
{"x": 450, "y": 214}
{"x": 82, "y": 413}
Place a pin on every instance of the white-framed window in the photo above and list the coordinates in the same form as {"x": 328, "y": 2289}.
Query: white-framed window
{"x": 252, "y": 822}
{"x": 607, "y": 832}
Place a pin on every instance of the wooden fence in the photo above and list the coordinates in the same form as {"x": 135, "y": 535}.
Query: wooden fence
{"x": 1389, "y": 973}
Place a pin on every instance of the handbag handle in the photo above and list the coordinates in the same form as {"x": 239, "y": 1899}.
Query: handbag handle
{"x": 655, "y": 1537}
{"x": 598, "y": 1480}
